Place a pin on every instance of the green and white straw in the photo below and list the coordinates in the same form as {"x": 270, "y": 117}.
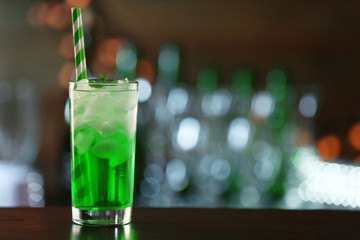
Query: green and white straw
{"x": 79, "y": 46}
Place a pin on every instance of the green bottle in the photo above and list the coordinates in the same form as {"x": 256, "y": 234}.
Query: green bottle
{"x": 277, "y": 84}
{"x": 239, "y": 134}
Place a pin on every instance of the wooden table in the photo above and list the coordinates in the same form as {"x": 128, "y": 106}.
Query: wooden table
{"x": 184, "y": 223}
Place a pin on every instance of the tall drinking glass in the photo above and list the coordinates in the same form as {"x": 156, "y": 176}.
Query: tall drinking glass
{"x": 102, "y": 125}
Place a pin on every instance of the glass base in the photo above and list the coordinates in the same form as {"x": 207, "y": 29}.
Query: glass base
{"x": 101, "y": 217}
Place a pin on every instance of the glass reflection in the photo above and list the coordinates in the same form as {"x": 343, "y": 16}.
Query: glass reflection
{"x": 19, "y": 123}
{"x": 67, "y": 112}
{"x": 125, "y": 232}
{"x": 20, "y": 183}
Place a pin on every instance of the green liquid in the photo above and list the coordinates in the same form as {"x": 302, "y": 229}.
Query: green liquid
{"x": 103, "y": 150}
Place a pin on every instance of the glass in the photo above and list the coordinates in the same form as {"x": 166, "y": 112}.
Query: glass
{"x": 102, "y": 125}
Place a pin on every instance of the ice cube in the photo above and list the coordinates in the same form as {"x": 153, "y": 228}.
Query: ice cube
{"x": 115, "y": 148}
{"x": 83, "y": 140}
{"x": 110, "y": 127}
{"x": 97, "y": 105}
{"x": 124, "y": 100}
{"x": 107, "y": 112}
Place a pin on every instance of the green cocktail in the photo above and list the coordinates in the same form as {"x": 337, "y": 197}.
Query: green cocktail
{"x": 103, "y": 125}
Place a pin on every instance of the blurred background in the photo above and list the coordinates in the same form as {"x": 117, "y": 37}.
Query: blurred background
{"x": 244, "y": 104}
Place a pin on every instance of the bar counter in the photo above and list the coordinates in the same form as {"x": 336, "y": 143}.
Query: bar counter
{"x": 185, "y": 223}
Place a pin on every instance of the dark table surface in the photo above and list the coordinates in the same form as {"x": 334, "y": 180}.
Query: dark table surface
{"x": 185, "y": 223}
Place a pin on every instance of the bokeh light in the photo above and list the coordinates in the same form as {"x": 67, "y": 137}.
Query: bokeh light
{"x": 43, "y": 11}
{"x": 239, "y": 134}
{"x": 52, "y": 14}
{"x": 205, "y": 164}
{"x": 268, "y": 160}
{"x": 188, "y": 134}
{"x": 107, "y": 50}
{"x": 327, "y": 182}
{"x": 329, "y": 147}
{"x": 308, "y": 105}
{"x": 169, "y": 60}
{"x": 126, "y": 60}
{"x": 176, "y": 174}
{"x": 78, "y": 3}
{"x": 145, "y": 89}
{"x": 216, "y": 104}
{"x": 59, "y": 17}
{"x": 249, "y": 197}
{"x": 354, "y": 136}
{"x": 150, "y": 187}
{"x": 220, "y": 169}
{"x": 262, "y": 104}
{"x": 145, "y": 69}
{"x": 154, "y": 170}
{"x": 177, "y": 100}
{"x": 162, "y": 114}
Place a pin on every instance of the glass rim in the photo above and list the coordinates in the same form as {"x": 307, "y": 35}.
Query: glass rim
{"x": 108, "y": 86}
{"x": 128, "y": 82}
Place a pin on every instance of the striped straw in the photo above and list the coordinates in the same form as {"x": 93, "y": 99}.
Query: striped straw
{"x": 79, "y": 46}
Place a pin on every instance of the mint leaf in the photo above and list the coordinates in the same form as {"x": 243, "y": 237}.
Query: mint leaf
{"x": 98, "y": 84}
{"x": 103, "y": 78}
{"x": 94, "y": 85}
